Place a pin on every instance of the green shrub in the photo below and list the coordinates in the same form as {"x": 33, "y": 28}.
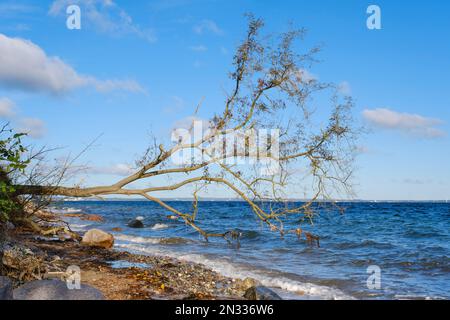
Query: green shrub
{"x": 11, "y": 163}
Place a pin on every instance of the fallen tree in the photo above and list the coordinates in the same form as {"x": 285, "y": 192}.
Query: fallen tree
{"x": 272, "y": 90}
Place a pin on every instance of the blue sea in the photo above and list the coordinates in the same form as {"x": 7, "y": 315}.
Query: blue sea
{"x": 408, "y": 241}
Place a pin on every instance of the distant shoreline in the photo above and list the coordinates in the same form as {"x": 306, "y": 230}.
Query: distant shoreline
{"x": 240, "y": 200}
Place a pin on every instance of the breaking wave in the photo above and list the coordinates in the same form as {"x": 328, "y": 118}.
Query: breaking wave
{"x": 64, "y": 210}
{"x": 148, "y": 240}
{"x": 159, "y": 226}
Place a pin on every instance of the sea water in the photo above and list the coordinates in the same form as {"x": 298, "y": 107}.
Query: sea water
{"x": 408, "y": 241}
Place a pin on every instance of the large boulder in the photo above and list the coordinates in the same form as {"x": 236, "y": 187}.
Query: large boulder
{"x": 136, "y": 223}
{"x": 261, "y": 293}
{"x": 6, "y": 289}
{"x": 98, "y": 238}
{"x": 55, "y": 290}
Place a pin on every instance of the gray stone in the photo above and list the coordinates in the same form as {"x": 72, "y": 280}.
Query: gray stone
{"x": 6, "y": 289}
{"x": 261, "y": 293}
{"x": 55, "y": 290}
{"x": 10, "y": 226}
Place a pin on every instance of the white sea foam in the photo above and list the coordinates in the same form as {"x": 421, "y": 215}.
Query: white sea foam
{"x": 416, "y": 297}
{"x": 135, "y": 239}
{"x": 159, "y": 226}
{"x": 233, "y": 270}
{"x": 78, "y": 227}
{"x": 64, "y": 210}
{"x": 153, "y": 240}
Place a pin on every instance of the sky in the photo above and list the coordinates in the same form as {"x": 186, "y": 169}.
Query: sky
{"x": 136, "y": 68}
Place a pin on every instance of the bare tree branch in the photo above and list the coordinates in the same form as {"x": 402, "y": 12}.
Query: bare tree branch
{"x": 272, "y": 89}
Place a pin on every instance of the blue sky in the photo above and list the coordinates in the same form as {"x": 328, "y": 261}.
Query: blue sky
{"x": 137, "y": 67}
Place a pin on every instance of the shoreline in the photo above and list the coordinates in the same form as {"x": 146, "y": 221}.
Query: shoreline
{"x": 121, "y": 275}
{"x": 130, "y": 199}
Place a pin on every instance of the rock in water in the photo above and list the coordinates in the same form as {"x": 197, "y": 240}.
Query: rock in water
{"x": 55, "y": 290}
{"x": 136, "y": 223}
{"x": 6, "y": 289}
{"x": 98, "y": 238}
{"x": 261, "y": 293}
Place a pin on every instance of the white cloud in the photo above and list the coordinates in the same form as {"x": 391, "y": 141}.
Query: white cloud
{"x": 120, "y": 169}
{"x": 417, "y": 181}
{"x": 184, "y": 128}
{"x": 303, "y": 75}
{"x": 410, "y": 124}
{"x": 189, "y": 129}
{"x": 104, "y": 16}
{"x": 113, "y": 85}
{"x": 188, "y": 123}
{"x": 362, "y": 149}
{"x": 7, "y": 108}
{"x": 25, "y": 66}
{"x": 33, "y": 127}
{"x": 345, "y": 88}
{"x": 199, "y": 48}
{"x": 208, "y": 26}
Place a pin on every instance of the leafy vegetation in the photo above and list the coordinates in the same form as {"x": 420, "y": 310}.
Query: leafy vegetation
{"x": 11, "y": 162}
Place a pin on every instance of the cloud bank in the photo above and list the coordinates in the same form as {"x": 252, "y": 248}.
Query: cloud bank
{"x": 409, "y": 124}
{"x": 25, "y": 66}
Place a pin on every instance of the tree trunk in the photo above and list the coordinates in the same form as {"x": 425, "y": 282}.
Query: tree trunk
{"x": 62, "y": 191}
